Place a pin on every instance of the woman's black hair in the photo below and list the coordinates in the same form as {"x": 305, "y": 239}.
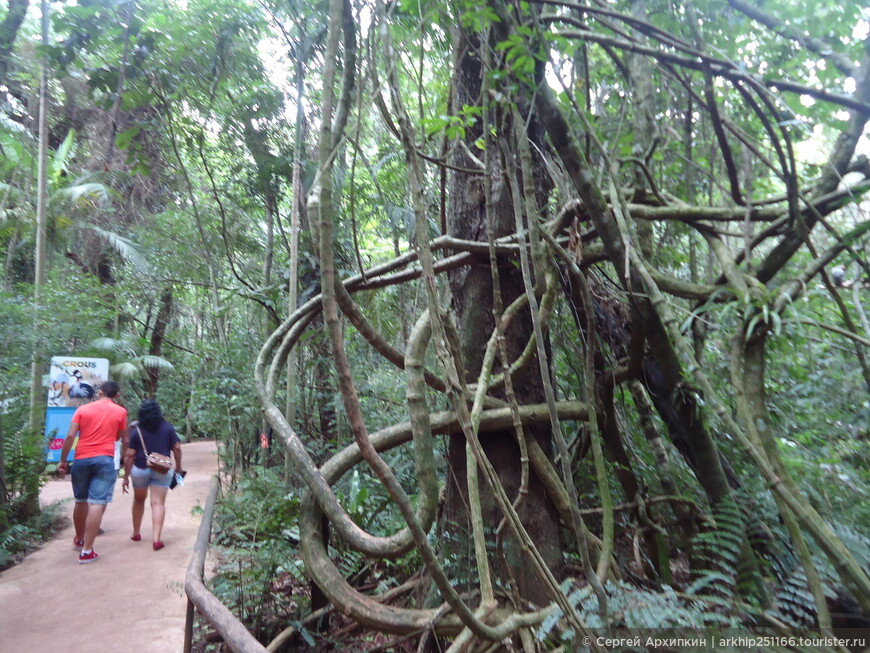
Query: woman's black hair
{"x": 150, "y": 415}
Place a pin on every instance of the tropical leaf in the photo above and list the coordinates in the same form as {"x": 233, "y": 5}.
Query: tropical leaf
{"x": 126, "y": 370}
{"x": 88, "y": 189}
{"x": 62, "y": 154}
{"x": 112, "y": 344}
{"x": 11, "y": 192}
{"x": 152, "y": 362}
{"x": 128, "y": 251}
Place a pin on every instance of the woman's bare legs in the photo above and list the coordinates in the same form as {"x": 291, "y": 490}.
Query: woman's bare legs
{"x": 139, "y": 495}
{"x": 158, "y": 511}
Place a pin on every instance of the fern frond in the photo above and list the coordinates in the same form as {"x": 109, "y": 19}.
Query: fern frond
{"x": 720, "y": 551}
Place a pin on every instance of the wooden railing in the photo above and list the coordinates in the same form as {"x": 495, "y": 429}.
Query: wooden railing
{"x": 199, "y": 598}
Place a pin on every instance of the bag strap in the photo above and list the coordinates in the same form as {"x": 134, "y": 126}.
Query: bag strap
{"x": 142, "y": 440}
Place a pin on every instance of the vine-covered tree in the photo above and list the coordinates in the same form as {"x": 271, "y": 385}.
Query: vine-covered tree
{"x": 580, "y": 150}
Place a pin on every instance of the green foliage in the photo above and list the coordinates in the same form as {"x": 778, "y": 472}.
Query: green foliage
{"x": 27, "y": 534}
{"x": 477, "y": 15}
{"x": 367, "y": 503}
{"x": 24, "y": 457}
{"x": 259, "y": 575}
{"x": 520, "y": 55}
{"x": 20, "y": 454}
{"x": 131, "y": 365}
{"x": 632, "y": 607}
{"x": 222, "y": 403}
{"x": 719, "y": 550}
{"x": 793, "y": 603}
{"x": 453, "y": 126}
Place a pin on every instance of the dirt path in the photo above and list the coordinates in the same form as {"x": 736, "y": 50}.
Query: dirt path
{"x": 131, "y": 599}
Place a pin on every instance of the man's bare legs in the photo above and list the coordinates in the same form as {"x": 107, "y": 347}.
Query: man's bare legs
{"x": 92, "y": 523}
{"x": 80, "y": 516}
{"x": 87, "y": 518}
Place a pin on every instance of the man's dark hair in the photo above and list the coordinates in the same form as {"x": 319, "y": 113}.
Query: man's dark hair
{"x": 150, "y": 415}
{"x": 110, "y": 389}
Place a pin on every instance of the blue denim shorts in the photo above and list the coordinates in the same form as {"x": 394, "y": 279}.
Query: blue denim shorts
{"x": 112, "y": 491}
{"x": 144, "y": 477}
{"x": 93, "y": 479}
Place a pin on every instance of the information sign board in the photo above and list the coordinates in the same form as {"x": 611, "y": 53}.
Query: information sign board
{"x": 72, "y": 381}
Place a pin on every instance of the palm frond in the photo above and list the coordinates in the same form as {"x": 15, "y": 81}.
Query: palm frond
{"x": 112, "y": 179}
{"x": 125, "y": 247}
{"x": 126, "y": 371}
{"x": 63, "y": 154}
{"x": 152, "y": 362}
{"x": 92, "y": 189}
{"x": 112, "y": 344}
{"x": 9, "y": 191}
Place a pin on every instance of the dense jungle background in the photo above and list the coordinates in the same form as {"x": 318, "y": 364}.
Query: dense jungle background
{"x": 553, "y": 313}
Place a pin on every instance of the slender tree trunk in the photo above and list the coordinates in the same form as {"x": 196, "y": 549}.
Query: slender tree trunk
{"x": 157, "y": 335}
{"x": 298, "y": 196}
{"x": 37, "y": 404}
{"x": 37, "y": 401}
{"x": 644, "y": 132}
{"x": 268, "y": 261}
{"x": 4, "y": 494}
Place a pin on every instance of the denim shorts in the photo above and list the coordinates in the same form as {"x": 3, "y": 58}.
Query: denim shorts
{"x": 112, "y": 491}
{"x": 93, "y": 479}
{"x": 144, "y": 477}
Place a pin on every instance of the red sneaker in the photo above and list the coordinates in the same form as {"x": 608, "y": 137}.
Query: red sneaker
{"x": 85, "y": 558}
{"x": 158, "y": 545}
{"x": 77, "y": 543}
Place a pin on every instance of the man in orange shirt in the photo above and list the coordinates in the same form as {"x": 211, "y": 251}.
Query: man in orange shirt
{"x": 99, "y": 425}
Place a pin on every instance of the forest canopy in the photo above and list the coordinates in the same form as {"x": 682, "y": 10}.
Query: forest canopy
{"x": 555, "y": 312}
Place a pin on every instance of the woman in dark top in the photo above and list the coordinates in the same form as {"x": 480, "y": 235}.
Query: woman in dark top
{"x": 151, "y": 433}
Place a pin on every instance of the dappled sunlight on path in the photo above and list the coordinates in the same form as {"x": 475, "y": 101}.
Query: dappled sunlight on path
{"x": 131, "y": 599}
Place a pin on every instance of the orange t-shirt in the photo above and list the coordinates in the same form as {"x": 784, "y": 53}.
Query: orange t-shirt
{"x": 99, "y": 422}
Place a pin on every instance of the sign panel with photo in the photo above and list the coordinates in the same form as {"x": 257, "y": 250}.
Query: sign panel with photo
{"x": 72, "y": 381}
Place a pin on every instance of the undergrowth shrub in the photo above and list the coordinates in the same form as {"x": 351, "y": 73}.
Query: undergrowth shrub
{"x": 634, "y": 607}
{"x": 24, "y": 458}
{"x": 259, "y": 572}
{"x": 28, "y": 534}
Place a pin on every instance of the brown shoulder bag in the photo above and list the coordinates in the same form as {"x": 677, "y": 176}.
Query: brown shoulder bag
{"x": 156, "y": 461}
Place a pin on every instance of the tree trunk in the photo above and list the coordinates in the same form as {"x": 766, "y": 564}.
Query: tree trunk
{"x": 37, "y": 404}
{"x": 37, "y": 401}
{"x": 644, "y": 132}
{"x": 9, "y": 31}
{"x": 157, "y": 334}
{"x": 472, "y": 289}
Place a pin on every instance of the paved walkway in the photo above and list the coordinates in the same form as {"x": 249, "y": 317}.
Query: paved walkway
{"x": 131, "y": 599}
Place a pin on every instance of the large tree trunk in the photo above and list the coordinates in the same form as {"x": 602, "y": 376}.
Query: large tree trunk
{"x": 472, "y": 289}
